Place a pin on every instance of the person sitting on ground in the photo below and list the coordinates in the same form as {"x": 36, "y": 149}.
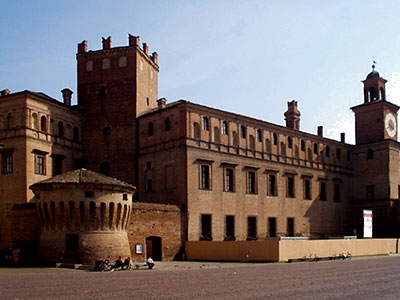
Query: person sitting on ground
{"x": 118, "y": 263}
{"x": 150, "y": 263}
{"x": 127, "y": 264}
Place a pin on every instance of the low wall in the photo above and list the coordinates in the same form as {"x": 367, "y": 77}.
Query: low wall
{"x": 271, "y": 250}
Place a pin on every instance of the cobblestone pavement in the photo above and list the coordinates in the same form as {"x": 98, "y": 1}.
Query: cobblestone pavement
{"x": 366, "y": 278}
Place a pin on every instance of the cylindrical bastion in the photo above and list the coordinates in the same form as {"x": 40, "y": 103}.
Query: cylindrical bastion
{"x": 84, "y": 216}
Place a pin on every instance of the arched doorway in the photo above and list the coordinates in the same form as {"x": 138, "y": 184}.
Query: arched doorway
{"x": 154, "y": 248}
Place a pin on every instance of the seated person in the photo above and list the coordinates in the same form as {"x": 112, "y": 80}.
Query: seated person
{"x": 150, "y": 263}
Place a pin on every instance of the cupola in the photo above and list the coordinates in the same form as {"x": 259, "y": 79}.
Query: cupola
{"x": 374, "y": 87}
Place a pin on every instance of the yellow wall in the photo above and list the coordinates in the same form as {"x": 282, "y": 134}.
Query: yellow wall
{"x": 285, "y": 250}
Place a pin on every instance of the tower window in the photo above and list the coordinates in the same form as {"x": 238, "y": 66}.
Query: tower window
{"x": 102, "y": 92}
{"x": 150, "y": 129}
{"x": 229, "y": 180}
{"x": 272, "y": 189}
{"x": 251, "y": 182}
{"x": 40, "y": 164}
{"x": 7, "y": 161}
{"x": 290, "y": 187}
{"x": 205, "y": 177}
{"x": 307, "y": 188}
{"x": 370, "y": 154}
{"x": 167, "y": 124}
{"x": 43, "y": 123}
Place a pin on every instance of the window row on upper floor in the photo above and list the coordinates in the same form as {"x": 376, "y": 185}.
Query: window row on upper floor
{"x": 251, "y": 181}
{"x": 40, "y": 122}
{"x": 167, "y": 126}
{"x": 272, "y": 139}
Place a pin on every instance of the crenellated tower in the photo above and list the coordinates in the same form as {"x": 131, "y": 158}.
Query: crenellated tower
{"x": 115, "y": 86}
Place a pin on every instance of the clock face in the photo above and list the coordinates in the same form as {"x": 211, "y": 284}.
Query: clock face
{"x": 390, "y": 125}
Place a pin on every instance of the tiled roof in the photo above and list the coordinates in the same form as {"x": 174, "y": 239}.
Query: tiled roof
{"x": 86, "y": 177}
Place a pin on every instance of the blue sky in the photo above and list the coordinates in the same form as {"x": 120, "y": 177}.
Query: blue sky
{"x": 248, "y": 57}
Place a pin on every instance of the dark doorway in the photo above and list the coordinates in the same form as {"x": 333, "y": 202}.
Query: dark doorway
{"x": 154, "y": 248}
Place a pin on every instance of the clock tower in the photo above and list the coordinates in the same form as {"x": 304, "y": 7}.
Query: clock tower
{"x": 376, "y": 118}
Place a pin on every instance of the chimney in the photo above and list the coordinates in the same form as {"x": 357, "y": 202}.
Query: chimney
{"x": 134, "y": 40}
{"x": 292, "y": 115}
{"x": 83, "y": 47}
{"x": 67, "y": 96}
{"x": 162, "y": 102}
{"x": 107, "y": 43}
{"x": 154, "y": 58}
{"x": 320, "y": 130}
{"x": 5, "y": 92}
{"x": 342, "y": 137}
{"x": 146, "y": 49}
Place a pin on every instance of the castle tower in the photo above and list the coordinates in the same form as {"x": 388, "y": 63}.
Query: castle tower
{"x": 376, "y": 118}
{"x": 292, "y": 115}
{"x": 115, "y": 85}
{"x": 84, "y": 216}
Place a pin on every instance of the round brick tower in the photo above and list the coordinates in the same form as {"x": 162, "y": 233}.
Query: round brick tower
{"x": 84, "y": 216}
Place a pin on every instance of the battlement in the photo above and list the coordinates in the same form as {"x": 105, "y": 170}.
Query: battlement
{"x": 133, "y": 42}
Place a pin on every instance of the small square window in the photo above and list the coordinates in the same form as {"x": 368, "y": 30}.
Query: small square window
{"x": 125, "y": 197}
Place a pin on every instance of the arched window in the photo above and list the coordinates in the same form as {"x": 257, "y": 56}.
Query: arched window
{"x": 167, "y": 124}
{"x": 216, "y": 135}
{"x": 338, "y": 153}
{"x": 290, "y": 142}
{"x": 315, "y": 148}
{"x": 275, "y": 137}
{"x": 224, "y": 128}
{"x": 303, "y": 145}
{"x": 105, "y": 168}
{"x": 60, "y": 129}
{"x": 196, "y": 130}
{"x": 259, "y": 135}
{"x": 35, "y": 121}
{"x": 10, "y": 121}
{"x": 283, "y": 149}
{"x": 206, "y": 125}
{"x": 150, "y": 129}
{"x": 243, "y": 131}
{"x": 327, "y": 151}
{"x": 252, "y": 142}
{"x": 372, "y": 94}
{"x": 43, "y": 123}
{"x": 268, "y": 146}
{"x": 76, "y": 134}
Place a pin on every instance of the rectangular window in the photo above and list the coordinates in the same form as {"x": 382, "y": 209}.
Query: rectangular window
{"x": 272, "y": 227}
{"x": 290, "y": 226}
{"x": 251, "y": 228}
{"x": 7, "y": 162}
{"x": 40, "y": 164}
{"x": 290, "y": 187}
{"x": 307, "y": 188}
{"x": 370, "y": 192}
{"x": 206, "y": 126}
{"x": 205, "y": 177}
{"x": 322, "y": 191}
{"x": 230, "y": 228}
{"x": 229, "y": 180}
{"x": 336, "y": 192}
{"x": 272, "y": 188}
{"x": 206, "y": 228}
{"x": 251, "y": 182}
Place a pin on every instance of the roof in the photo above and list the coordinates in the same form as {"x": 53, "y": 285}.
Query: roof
{"x": 83, "y": 176}
{"x": 373, "y": 74}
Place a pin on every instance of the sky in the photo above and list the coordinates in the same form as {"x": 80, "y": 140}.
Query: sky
{"x": 247, "y": 57}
